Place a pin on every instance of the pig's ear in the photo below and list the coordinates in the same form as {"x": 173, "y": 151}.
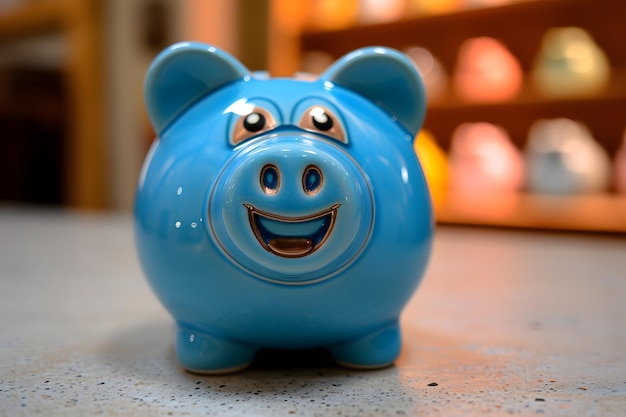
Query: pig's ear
{"x": 387, "y": 78}
{"x": 184, "y": 73}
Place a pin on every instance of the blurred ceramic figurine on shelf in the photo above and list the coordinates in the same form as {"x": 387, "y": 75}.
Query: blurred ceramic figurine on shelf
{"x": 378, "y": 11}
{"x": 432, "y": 72}
{"x": 435, "y": 164}
{"x": 486, "y": 71}
{"x": 483, "y": 159}
{"x": 562, "y": 157}
{"x": 570, "y": 64}
{"x": 281, "y": 213}
{"x": 619, "y": 167}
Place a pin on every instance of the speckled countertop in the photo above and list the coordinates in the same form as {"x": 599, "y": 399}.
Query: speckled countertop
{"x": 505, "y": 323}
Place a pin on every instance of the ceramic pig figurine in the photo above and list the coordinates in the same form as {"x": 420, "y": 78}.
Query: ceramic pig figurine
{"x": 282, "y": 213}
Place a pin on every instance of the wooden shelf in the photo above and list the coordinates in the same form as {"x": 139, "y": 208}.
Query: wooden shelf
{"x": 521, "y": 26}
{"x": 598, "y": 113}
{"x": 591, "y": 213}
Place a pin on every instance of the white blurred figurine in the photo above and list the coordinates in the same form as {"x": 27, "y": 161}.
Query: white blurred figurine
{"x": 562, "y": 157}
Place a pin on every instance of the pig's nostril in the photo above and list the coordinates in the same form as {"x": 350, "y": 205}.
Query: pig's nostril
{"x": 312, "y": 180}
{"x": 270, "y": 179}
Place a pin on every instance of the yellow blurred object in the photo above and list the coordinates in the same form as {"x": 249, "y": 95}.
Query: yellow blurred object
{"x": 333, "y": 14}
{"x": 570, "y": 63}
{"x": 434, "y": 163}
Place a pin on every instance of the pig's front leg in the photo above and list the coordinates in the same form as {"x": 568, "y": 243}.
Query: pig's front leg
{"x": 206, "y": 354}
{"x": 376, "y": 349}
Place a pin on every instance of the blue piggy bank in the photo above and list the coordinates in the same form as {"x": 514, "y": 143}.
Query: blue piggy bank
{"x": 283, "y": 213}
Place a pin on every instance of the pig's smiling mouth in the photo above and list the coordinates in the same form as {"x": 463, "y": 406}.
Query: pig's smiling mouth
{"x": 292, "y": 237}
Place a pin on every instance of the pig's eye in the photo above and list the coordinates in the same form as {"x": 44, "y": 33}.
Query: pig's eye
{"x": 321, "y": 120}
{"x": 252, "y": 124}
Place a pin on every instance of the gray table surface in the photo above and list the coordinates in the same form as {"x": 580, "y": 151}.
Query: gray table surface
{"x": 504, "y": 323}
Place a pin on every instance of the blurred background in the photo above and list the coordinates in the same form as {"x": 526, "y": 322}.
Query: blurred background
{"x": 526, "y": 99}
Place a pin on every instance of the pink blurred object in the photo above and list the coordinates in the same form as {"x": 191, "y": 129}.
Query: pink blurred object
{"x": 486, "y": 71}
{"x": 619, "y": 168}
{"x": 483, "y": 159}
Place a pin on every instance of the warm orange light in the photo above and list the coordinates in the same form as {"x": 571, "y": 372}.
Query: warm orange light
{"x": 333, "y": 14}
{"x": 290, "y": 15}
{"x": 434, "y": 6}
